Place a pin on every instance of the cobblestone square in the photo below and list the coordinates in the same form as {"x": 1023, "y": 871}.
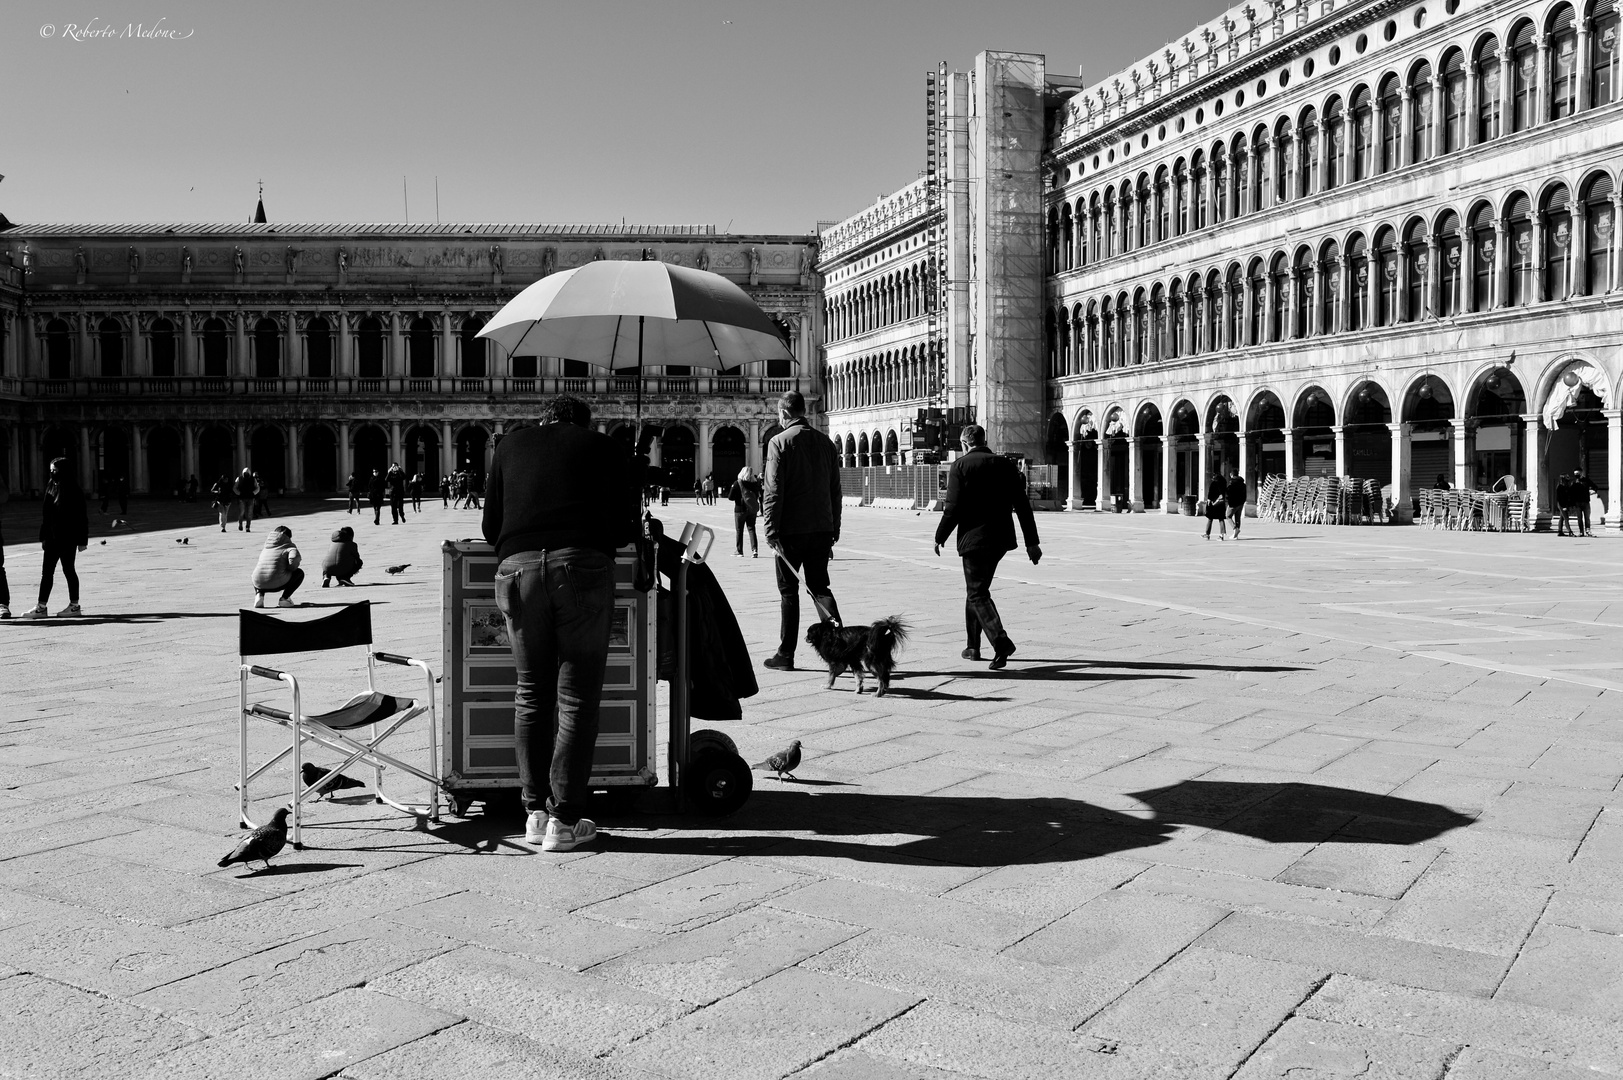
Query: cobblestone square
{"x": 1318, "y": 802}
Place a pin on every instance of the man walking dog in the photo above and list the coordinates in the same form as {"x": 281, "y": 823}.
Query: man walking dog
{"x": 801, "y": 507}
{"x": 983, "y": 489}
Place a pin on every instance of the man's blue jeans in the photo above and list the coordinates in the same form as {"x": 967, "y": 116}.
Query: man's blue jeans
{"x": 558, "y": 606}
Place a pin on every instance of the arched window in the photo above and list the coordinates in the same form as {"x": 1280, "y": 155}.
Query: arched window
{"x": 1330, "y": 291}
{"x": 1563, "y": 73}
{"x": 1081, "y": 225}
{"x": 1163, "y": 220}
{"x": 1058, "y": 339}
{"x": 1096, "y": 249}
{"x": 1175, "y": 317}
{"x": 1519, "y": 224}
{"x": 1146, "y": 212}
{"x": 58, "y": 350}
{"x": 1523, "y": 77}
{"x": 216, "y": 350}
{"x": 1557, "y": 222}
{"x": 1307, "y": 169}
{"x": 369, "y": 348}
{"x": 420, "y": 348}
{"x": 473, "y": 348}
{"x": 1220, "y": 184}
{"x": 1157, "y": 346}
{"x": 1092, "y": 360}
{"x": 1180, "y": 198}
{"x": 1603, "y": 68}
{"x": 161, "y": 342}
{"x": 1484, "y": 258}
{"x": 318, "y": 348}
{"x": 1302, "y": 294}
{"x": 1279, "y": 308}
{"x": 1416, "y": 266}
{"x": 1420, "y": 113}
{"x": 1108, "y": 204}
{"x": 1197, "y": 192}
{"x": 1489, "y": 93}
{"x": 1335, "y": 129}
{"x": 1385, "y": 272}
{"x": 1140, "y": 325}
{"x": 1060, "y": 251}
{"x": 1598, "y": 226}
{"x": 1259, "y": 166}
{"x": 1363, "y": 147}
{"x": 1452, "y": 131}
{"x": 110, "y": 336}
{"x": 1449, "y": 271}
{"x": 1357, "y": 315}
{"x": 1234, "y": 306}
{"x": 267, "y": 349}
{"x": 1284, "y": 160}
{"x": 1391, "y": 107}
{"x": 1239, "y": 159}
{"x": 1257, "y": 302}
{"x": 1125, "y": 196}
{"x": 1078, "y": 361}
{"x": 1107, "y": 320}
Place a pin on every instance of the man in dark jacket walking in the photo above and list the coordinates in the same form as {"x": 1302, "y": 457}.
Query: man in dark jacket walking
{"x": 397, "y": 494}
{"x": 983, "y": 489}
{"x": 375, "y": 489}
{"x": 800, "y": 503}
{"x": 64, "y": 530}
{"x": 243, "y": 488}
{"x": 354, "y": 487}
{"x": 1234, "y": 495}
{"x": 562, "y": 500}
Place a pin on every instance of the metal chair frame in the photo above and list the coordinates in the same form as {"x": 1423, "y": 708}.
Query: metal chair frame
{"x": 346, "y": 628}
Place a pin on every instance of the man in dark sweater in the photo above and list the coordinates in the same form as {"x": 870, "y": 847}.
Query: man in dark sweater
{"x": 561, "y": 500}
{"x": 983, "y": 489}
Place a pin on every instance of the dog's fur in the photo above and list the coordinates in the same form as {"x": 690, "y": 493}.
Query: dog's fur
{"x": 860, "y": 649}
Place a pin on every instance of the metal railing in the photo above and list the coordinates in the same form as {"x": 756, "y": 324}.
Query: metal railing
{"x": 188, "y": 385}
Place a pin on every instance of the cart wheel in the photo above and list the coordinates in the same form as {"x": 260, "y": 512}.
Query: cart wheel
{"x": 717, "y": 783}
{"x": 708, "y": 738}
{"x": 459, "y": 805}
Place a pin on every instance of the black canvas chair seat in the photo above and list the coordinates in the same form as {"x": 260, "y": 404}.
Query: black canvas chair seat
{"x": 371, "y": 707}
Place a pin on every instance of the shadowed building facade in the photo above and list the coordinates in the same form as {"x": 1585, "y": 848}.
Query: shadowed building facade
{"x": 156, "y": 353}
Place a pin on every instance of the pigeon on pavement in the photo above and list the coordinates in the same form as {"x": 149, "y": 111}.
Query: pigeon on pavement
{"x": 783, "y": 762}
{"x": 262, "y": 843}
{"x": 397, "y": 569}
{"x": 336, "y": 781}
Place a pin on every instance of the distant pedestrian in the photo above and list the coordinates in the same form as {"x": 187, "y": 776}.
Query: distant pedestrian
{"x": 746, "y": 496}
{"x": 983, "y": 489}
{"x": 278, "y": 568}
{"x": 64, "y": 530}
{"x": 396, "y": 480}
{"x": 459, "y": 489}
{"x": 1581, "y": 490}
{"x": 665, "y": 495}
{"x": 1234, "y": 496}
{"x": 5, "y": 589}
{"x": 1564, "y": 503}
{"x": 343, "y": 559}
{"x": 221, "y": 490}
{"x": 476, "y": 485}
{"x": 374, "y": 495}
{"x": 1216, "y": 509}
{"x": 354, "y": 487}
{"x": 416, "y": 490}
{"x": 800, "y": 503}
{"x": 262, "y": 506}
{"x": 191, "y": 488}
{"x": 445, "y": 491}
{"x": 243, "y": 489}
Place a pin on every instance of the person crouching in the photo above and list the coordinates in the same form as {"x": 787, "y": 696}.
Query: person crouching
{"x": 278, "y": 568}
{"x": 343, "y": 560}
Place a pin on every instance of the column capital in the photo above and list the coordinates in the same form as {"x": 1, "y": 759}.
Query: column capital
{"x": 1399, "y": 429}
{"x": 1531, "y": 418}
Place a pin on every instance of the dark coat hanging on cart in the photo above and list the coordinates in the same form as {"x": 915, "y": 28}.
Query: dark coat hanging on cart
{"x": 719, "y": 667}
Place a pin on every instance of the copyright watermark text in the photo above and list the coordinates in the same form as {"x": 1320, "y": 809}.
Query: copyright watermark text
{"x": 102, "y": 30}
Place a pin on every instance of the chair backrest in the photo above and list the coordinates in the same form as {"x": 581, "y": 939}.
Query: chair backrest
{"x": 260, "y": 634}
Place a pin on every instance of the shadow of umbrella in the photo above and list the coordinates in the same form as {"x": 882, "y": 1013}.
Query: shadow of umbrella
{"x": 1300, "y": 813}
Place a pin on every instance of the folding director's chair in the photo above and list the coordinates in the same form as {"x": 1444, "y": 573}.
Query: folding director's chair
{"x": 341, "y": 729}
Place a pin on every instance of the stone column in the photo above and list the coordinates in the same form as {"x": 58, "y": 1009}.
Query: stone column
{"x": 1340, "y": 433}
{"x": 753, "y": 452}
{"x": 1581, "y": 68}
{"x": 1168, "y": 496}
{"x": 242, "y": 445}
{"x": 1439, "y": 115}
{"x": 242, "y": 362}
{"x": 447, "y": 450}
{"x": 1135, "y": 475}
{"x": 1203, "y": 440}
{"x": 1507, "y": 91}
{"x": 1315, "y": 302}
{"x": 188, "y": 453}
{"x": 138, "y": 479}
{"x": 1541, "y": 83}
{"x": 346, "y": 451}
{"x": 1463, "y": 478}
{"x": 1577, "y": 276}
{"x": 291, "y": 468}
{"x": 1289, "y": 436}
{"x": 342, "y": 364}
{"x": 1265, "y": 198}
{"x": 394, "y": 365}
{"x": 702, "y": 460}
{"x": 1244, "y": 462}
{"x": 1614, "y": 468}
{"x": 1614, "y": 263}
{"x": 1344, "y": 288}
{"x": 1473, "y": 91}
{"x": 1405, "y": 130}
{"x": 1501, "y": 256}
{"x": 448, "y": 365}
{"x": 1101, "y": 464}
{"x": 1402, "y": 511}
{"x": 395, "y": 450}
{"x": 1530, "y": 465}
{"x": 1073, "y": 494}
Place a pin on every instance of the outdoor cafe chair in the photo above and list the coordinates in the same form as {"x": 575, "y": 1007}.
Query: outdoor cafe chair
{"x": 355, "y": 730}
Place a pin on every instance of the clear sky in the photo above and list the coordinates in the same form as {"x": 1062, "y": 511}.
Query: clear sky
{"x": 766, "y": 114}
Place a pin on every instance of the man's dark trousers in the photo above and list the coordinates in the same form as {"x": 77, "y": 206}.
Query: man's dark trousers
{"x": 558, "y": 606}
{"x": 808, "y": 553}
{"x": 980, "y": 613}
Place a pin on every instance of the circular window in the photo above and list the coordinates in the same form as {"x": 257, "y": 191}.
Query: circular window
{"x": 1126, "y": 148}
{"x": 1307, "y": 69}
{"x": 1095, "y": 161}
{"x": 1361, "y": 44}
{"x": 1180, "y": 125}
{"x": 1076, "y": 173}
{"x": 1262, "y": 87}
{"x": 1451, "y": 6}
{"x": 1335, "y": 55}
{"x": 1162, "y": 133}
{"x": 1391, "y": 30}
{"x": 1284, "y": 78}
{"x": 1239, "y": 98}
{"x": 1217, "y": 108}
{"x": 1144, "y": 142}
{"x": 1110, "y": 156}
{"x": 1420, "y": 18}
{"x": 1200, "y": 116}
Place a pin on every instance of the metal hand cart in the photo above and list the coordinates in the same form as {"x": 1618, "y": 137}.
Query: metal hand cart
{"x": 702, "y": 767}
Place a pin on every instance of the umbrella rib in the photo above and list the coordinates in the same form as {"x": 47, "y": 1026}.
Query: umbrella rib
{"x": 713, "y": 346}
{"x": 615, "y": 346}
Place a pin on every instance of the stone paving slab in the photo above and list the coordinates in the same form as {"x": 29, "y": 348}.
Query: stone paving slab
{"x": 1321, "y": 802}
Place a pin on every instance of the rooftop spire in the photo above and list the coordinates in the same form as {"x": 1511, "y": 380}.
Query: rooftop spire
{"x": 259, "y": 210}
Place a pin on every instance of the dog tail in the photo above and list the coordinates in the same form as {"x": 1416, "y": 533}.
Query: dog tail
{"x": 892, "y": 632}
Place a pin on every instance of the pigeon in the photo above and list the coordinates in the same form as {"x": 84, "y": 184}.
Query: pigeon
{"x": 262, "y": 843}
{"x": 183, "y": 539}
{"x": 336, "y": 781}
{"x": 783, "y": 762}
{"x": 401, "y": 569}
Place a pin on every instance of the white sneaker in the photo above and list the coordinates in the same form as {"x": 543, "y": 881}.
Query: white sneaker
{"x": 285, "y": 602}
{"x": 561, "y": 837}
{"x": 535, "y": 827}
{"x": 71, "y": 609}
{"x": 36, "y": 612}
{"x": 5, "y": 612}
{"x": 259, "y": 599}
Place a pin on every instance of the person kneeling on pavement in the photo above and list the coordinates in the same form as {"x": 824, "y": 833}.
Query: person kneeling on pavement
{"x": 343, "y": 560}
{"x": 278, "y": 568}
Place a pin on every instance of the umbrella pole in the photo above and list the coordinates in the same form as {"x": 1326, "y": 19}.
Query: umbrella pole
{"x": 639, "y": 378}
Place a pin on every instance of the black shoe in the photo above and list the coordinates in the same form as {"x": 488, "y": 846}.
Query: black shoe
{"x": 970, "y": 654}
{"x": 1001, "y": 652}
{"x": 779, "y": 662}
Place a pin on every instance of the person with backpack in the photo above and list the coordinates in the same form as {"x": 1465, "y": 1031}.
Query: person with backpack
{"x": 746, "y": 497}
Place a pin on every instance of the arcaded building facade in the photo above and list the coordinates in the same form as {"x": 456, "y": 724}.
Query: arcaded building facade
{"x": 1357, "y": 238}
{"x": 157, "y": 353}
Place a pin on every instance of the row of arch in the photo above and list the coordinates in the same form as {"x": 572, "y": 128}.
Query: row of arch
{"x": 1512, "y": 253}
{"x": 905, "y": 374}
{"x": 864, "y": 450}
{"x": 906, "y": 293}
{"x": 1471, "y": 96}
{"x": 115, "y": 342}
